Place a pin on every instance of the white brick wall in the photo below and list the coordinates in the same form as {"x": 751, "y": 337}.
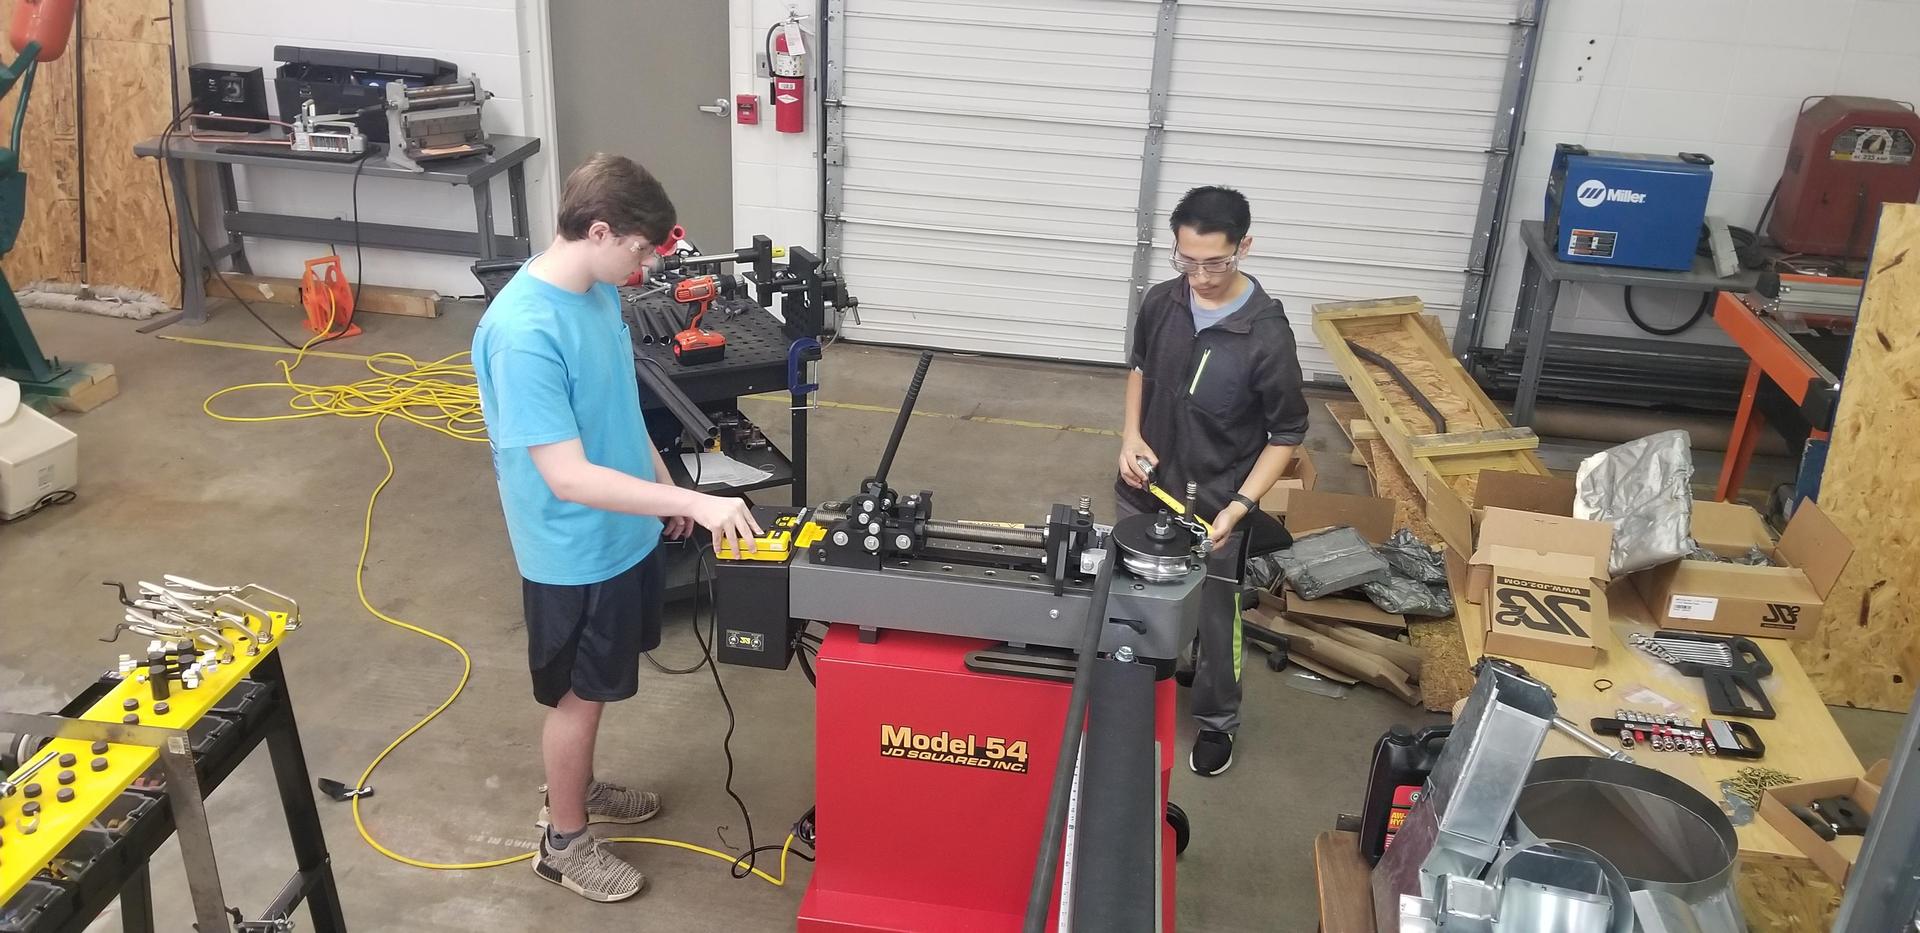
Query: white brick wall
{"x": 490, "y": 38}
{"x": 1724, "y": 77}
{"x": 776, "y": 180}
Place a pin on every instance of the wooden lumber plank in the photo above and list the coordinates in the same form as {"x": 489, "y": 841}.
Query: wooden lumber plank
{"x": 1402, "y": 655}
{"x": 1491, "y": 440}
{"x": 1386, "y": 328}
{"x": 1345, "y": 883}
{"x": 374, "y": 299}
{"x": 1867, "y": 651}
{"x": 1362, "y": 430}
{"x": 1369, "y": 668}
{"x": 128, "y": 90}
{"x": 82, "y": 388}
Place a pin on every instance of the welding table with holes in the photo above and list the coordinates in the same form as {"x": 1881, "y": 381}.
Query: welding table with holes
{"x": 110, "y": 859}
{"x": 755, "y": 363}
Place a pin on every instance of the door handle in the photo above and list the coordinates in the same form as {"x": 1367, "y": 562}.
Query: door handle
{"x": 718, "y": 108}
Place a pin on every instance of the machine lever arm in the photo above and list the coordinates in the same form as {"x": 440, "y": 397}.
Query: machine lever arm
{"x": 900, "y": 423}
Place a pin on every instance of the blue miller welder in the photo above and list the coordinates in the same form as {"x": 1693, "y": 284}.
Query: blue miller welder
{"x": 1627, "y": 209}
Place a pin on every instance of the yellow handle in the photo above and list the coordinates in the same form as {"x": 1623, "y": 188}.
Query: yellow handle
{"x": 1175, "y": 504}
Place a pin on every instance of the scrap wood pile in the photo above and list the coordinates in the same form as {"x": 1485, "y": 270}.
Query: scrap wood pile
{"x": 1341, "y": 602}
{"x": 1424, "y": 431}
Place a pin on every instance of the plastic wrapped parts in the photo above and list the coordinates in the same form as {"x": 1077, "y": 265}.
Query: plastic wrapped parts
{"x": 1407, "y": 596}
{"x": 1644, "y": 490}
{"x": 1410, "y": 557}
{"x": 1326, "y": 562}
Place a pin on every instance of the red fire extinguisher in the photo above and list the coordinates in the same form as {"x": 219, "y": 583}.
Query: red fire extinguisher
{"x": 787, "y": 60}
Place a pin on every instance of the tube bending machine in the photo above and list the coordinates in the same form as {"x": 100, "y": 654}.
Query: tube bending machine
{"x": 956, "y": 654}
{"x": 92, "y": 792}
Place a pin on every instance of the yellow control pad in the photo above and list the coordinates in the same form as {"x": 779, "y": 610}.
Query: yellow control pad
{"x": 777, "y": 542}
{"x": 24, "y": 854}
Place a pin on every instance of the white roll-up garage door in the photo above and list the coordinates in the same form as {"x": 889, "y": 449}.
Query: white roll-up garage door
{"x": 993, "y": 157}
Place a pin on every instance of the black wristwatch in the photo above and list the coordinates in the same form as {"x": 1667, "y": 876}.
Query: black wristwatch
{"x": 1252, "y": 507}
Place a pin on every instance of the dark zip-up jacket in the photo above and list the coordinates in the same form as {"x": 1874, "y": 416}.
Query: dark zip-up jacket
{"x": 1212, "y": 402}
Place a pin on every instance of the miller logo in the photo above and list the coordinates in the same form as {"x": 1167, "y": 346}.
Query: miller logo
{"x": 1521, "y": 607}
{"x": 1593, "y": 192}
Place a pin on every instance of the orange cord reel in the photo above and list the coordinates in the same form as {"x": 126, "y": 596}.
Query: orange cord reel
{"x": 328, "y": 298}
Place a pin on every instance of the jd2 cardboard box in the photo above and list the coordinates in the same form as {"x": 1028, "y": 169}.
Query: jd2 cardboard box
{"x": 1542, "y": 580}
{"x": 1781, "y": 601}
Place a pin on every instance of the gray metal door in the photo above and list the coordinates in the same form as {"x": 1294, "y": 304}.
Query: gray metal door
{"x": 631, "y": 78}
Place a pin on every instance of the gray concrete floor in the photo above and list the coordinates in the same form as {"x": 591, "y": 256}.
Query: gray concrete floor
{"x": 166, "y": 489}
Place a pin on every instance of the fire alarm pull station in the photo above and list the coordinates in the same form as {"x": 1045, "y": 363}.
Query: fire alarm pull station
{"x": 746, "y": 109}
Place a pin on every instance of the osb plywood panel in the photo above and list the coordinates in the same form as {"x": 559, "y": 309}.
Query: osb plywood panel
{"x": 1445, "y": 677}
{"x": 1786, "y": 897}
{"x": 1398, "y": 345}
{"x": 49, "y": 243}
{"x": 128, "y": 98}
{"x": 124, "y": 47}
{"x": 1866, "y": 651}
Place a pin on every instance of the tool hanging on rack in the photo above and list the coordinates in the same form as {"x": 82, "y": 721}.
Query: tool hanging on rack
{"x": 1730, "y": 667}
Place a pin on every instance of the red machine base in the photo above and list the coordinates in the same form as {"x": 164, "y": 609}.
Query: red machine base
{"x": 931, "y": 785}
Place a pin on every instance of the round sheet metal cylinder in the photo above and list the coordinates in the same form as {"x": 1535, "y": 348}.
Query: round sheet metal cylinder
{"x": 1662, "y": 834}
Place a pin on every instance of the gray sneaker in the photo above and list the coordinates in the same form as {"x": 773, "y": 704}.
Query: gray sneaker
{"x": 611, "y": 803}
{"x": 586, "y": 868}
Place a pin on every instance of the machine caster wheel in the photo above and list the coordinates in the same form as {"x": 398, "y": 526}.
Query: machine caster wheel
{"x": 1182, "y": 830}
{"x": 1276, "y": 661}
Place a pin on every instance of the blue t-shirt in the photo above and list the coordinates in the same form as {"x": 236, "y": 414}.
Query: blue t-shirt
{"x": 1203, "y": 318}
{"x": 554, "y": 365}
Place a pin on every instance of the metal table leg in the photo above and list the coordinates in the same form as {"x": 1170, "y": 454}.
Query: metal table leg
{"x": 229, "y": 203}
{"x": 483, "y": 218}
{"x": 1538, "y": 321}
{"x": 315, "y": 866}
{"x": 1747, "y": 425}
{"x": 193, "y": 267}
{"x": 517, "y": 203}
{"x": 136, "y": 902}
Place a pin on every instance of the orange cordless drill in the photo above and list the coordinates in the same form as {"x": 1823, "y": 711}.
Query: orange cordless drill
{"x": 696, "y": 345}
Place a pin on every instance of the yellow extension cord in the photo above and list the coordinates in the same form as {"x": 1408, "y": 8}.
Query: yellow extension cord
{"x": 440, "y": 396}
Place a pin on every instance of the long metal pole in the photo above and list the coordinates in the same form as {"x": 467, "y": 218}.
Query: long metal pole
{"x": 1039, "y": 893}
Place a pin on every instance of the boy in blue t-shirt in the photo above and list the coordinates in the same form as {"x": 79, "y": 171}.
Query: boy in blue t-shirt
{"x": 586, "y": 498}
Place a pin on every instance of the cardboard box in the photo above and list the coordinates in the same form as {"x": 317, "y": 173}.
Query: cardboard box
{"x": 1300, "y": 475}
{"x": 1309, "y": 511}
{"x": 1834, "y": 858}
{"x": 1543, "y": 582}
{"x": 1785, "y": 601}
{"x": 1522, "y": 492}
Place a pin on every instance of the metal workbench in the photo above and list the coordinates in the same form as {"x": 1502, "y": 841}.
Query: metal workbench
{"x": 756, "y": 362}
{"x": 476, "y": 173}
{"x": 1540, "y": 281}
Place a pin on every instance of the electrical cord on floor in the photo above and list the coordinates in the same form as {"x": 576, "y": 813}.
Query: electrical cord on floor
{"x": 442, "y": 396}
{"x": 49, "y": 500}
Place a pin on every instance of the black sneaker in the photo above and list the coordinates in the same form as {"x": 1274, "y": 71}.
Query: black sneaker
{"x": 1212, "y": 753}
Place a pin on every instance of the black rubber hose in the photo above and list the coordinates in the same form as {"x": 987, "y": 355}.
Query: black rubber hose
{"x": 900, "y": 422}
{"x": 1439, "y": 420}
{"x": 1039, "y": 895}
{"x": 1706, "y": 304}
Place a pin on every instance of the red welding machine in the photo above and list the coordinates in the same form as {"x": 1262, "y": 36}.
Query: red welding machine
{"x": 1849, "y": 156}
{"x": 931, "y": 786}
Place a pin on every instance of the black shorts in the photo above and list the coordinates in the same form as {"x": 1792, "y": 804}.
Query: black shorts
{"x": 588, "y": 639}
